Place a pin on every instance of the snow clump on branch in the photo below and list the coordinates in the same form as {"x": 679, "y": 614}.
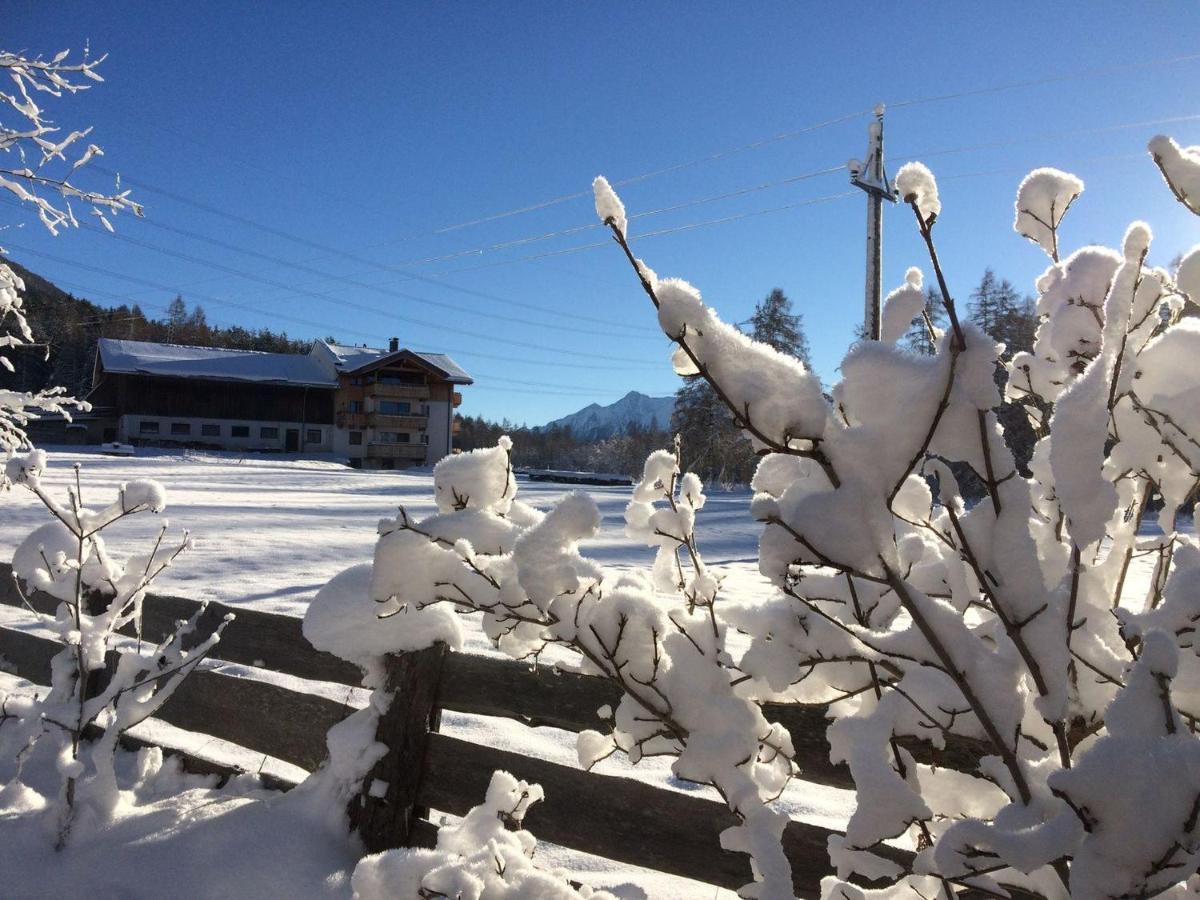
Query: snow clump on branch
{"x": 1180, "y": 167}
{"x": 915, "y": 183}
{"x": 1043, "y": 198}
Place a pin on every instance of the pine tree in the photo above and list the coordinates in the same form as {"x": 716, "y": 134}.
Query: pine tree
{"x": 773, "y": 322}
{"x": 177, "y": 315}
{"x": 695, "y": 419}
{"x": 918, "y": 339}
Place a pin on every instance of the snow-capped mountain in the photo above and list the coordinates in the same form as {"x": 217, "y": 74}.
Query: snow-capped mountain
{"x": 594, "y": 421}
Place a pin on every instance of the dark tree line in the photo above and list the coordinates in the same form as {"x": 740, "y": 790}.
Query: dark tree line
{"x": 559, "y": 448}
{"x": 69, "y": 328}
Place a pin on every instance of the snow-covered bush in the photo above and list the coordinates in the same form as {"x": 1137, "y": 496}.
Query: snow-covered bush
{"x": 1013, "y": 627}
{"x": 96, "y": 693}
{"x": 660, "y": 635}
{"x": 1013, "y": 624}
{"x": 479, "y": 858}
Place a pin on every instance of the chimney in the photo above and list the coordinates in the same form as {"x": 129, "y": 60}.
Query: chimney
{"x": 393, "y": 345}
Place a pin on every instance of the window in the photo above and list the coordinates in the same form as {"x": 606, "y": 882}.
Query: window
{"x": 355, "y": 406}
{"x": 239, "y": 431}
{"x": 210, "y": 430}
{"x": 181, "y": 428}
{"x": 268, "y": 431}
{"x": 355, "y": 438}
{"x": 395, "y": 407}
{"x": 312, "y": 436}
{"x": 424, "y": 439}
{"x": 394, "y": 437}
{"x": 148, "y": 427}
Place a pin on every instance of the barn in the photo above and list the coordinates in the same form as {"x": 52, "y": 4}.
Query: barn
{"x": 379, "y": 408}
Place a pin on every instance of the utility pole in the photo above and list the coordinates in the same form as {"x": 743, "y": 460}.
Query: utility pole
{"x": 872, "y": 178}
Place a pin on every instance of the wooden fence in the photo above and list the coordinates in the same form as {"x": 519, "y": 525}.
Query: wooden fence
{"x": 626, "y": 820}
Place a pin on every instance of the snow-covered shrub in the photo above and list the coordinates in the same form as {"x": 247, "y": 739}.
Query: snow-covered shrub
{"x": 660, "y": 635}
{"x": 97, "y": 692}
{"x": 1014, "y": 625}
{"x": 479, "y": 858}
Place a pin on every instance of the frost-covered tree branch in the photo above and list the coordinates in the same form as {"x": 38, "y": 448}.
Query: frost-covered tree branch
{"x": 45, "y": 160}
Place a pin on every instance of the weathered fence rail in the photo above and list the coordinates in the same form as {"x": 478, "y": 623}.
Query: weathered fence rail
{"x": 627, "y": 820}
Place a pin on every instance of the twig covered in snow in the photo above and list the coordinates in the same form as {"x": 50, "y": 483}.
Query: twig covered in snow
{"x": 90, "y": 693}
{"x": 40, "y": 149}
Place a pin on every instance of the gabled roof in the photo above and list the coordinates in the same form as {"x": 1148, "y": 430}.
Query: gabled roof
{"x": 213, "y": 363}
{"x": 350, "y": 359}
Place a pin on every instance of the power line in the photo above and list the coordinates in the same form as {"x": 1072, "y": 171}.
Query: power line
{"x": 576, "y": 229}
{"x": 333, "y": 251}
{"x": 666, "y": 170}
{"x": 685, "y": 204}
{"x": 663, "y": 231}
{"x": 1049, "y": 79}
{"x": 332, "y": 329}
{"x": 306, "y": 322}
{"x": 455, "y": 330}
{"x": 1050, "y": 135}
{"x": 495, "y": 247}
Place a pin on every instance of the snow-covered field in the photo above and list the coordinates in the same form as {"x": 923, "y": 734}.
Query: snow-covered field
{"x": 269, "y": 533}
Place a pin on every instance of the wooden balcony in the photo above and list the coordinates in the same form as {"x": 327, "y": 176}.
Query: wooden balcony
{"x": 397, "y": 422}
{"x": 387, "y": 391}
{"x": 396, "y": 451}
{"x": 354, "y": 421}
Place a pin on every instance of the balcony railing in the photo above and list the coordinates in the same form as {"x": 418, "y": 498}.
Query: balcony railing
{"x": 402, "y": 422}
{"x": 396, "y": 451}
{"x": 417, "y": 391}
{"x": 355, "y": 421}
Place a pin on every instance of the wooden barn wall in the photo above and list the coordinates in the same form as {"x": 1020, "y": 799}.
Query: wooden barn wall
{"x": 195, "y": 398}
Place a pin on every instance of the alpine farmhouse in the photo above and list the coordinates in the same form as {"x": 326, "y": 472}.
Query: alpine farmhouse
{"x": 382, "y": 409}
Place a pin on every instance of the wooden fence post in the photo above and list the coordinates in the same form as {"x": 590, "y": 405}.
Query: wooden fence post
{"x": 384, "y": 811}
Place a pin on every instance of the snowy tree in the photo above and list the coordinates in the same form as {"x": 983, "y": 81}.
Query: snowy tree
{"x": 774, "y": 323}
{"x": 99, "y": 596}
{"x": 40, "y": 177}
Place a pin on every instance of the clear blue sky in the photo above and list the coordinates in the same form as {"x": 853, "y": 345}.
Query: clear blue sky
{"x": 363, "y": 129}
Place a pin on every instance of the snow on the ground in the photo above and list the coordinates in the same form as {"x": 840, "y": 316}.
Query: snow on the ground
{"x": 270, "y": 531}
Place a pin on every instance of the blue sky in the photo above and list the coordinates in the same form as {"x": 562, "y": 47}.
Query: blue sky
{"x": 302, "y": 163}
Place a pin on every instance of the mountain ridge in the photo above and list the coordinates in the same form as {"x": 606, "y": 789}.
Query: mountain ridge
{"x": 595, "y": 422}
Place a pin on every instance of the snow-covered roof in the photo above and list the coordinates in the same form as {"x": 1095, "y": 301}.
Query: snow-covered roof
{"x": 351, "y": 359}
{"x": 215, "y": 363}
